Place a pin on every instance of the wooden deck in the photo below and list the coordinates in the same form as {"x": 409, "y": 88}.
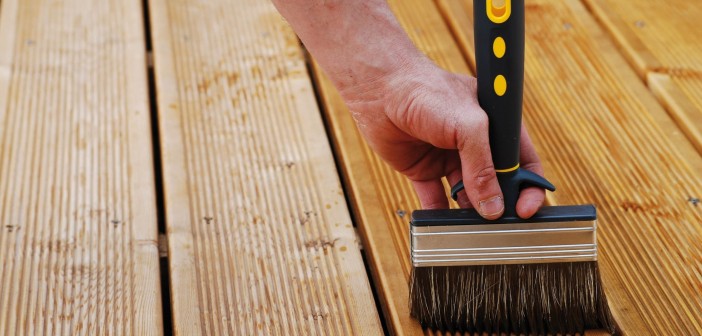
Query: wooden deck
{"x": 78, "y": 244}
{"x": 205, "y": 123}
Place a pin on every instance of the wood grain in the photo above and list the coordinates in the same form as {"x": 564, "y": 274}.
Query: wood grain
{"x": 659, "y": 39}
{"x": 78, "y": 252}
{"x": 605, "y": 140}
{"x": 381, "y": 198}
{"x": 260, "y": 238}
{"x": 658, "y": 36}
{"x": 682, "y": 97}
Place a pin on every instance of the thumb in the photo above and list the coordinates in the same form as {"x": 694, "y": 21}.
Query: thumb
{"x": 479, "y": 176}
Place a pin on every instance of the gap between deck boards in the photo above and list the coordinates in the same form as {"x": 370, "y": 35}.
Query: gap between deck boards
{"x": 158, "y": 175}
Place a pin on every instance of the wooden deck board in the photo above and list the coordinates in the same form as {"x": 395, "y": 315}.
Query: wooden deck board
{"x": 381, "y": 213}
{"x": 381, "y": 198}
{"x": 661, "y": 40}
{"x": 656, "y": 36}
{"x": 78, "y": 253}
{"x": 604, "y": 140}
{"x": 682, "y": 97}
{"x": 259, "y": 234}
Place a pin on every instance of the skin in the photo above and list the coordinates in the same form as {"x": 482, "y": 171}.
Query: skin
{"x": 422, "y": 120}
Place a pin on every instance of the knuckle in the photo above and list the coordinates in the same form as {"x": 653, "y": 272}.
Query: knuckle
{"x": 472, "y": 83}
{"x": 483, "y": 178}
{"x": 470, "y": 128}
{"x": 473, "y": 124}
{"x": 414, "y": 102}
{"x": 480, "y": 121}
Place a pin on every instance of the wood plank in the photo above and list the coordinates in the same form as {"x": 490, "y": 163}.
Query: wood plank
{"x": 78, "y": 247}
{"x": 259, "y": 233}
{"x": 660, "y": 37}
{"x": 381, "y": 198}
{"x": 682, "y": 97}
{"x": 605, "y": 140}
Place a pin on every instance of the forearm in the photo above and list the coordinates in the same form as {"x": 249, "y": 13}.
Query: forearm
{"x": 357, "y": 42}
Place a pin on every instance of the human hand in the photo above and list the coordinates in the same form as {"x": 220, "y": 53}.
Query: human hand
{"x": 424, "y": 121}
{"x": 427, "y": 124}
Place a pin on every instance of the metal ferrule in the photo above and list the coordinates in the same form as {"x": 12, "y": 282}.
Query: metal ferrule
{"x": 516, "y": 243}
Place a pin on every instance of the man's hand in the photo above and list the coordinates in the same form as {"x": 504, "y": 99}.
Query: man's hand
{"x": 427, "y": 124}
{"x": 424, "y": 121}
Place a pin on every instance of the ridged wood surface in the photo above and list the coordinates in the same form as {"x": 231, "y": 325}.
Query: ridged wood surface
{"x": 682, "y": 97}
{"x": 658, "y": 36}
{"x": 78, "y": 252}
{"x": 259, "y": 234}
{"x": 382, "y": 201}
{"x": 605, "y": 140}
{"x": 381, "y": 198}
{"x": 661, "y": 39}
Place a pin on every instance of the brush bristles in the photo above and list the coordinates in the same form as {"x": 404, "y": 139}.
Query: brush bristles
{"x": 555, "y": 298}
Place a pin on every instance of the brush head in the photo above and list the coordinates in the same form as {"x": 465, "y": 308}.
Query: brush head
{"x": 535, "y": 276}
{"x": 553, "y": 298}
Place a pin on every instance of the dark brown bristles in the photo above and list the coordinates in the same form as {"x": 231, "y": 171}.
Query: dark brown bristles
{"x": 553, "y": 298}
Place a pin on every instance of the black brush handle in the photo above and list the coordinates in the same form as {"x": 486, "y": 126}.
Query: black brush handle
{"x": 499, "y": 53}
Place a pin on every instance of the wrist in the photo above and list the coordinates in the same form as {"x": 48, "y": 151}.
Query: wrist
{"x": 388, "y": 74}
{"x": 359, "y": 44}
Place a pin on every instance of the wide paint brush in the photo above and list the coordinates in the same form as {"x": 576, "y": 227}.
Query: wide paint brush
{"x": 535, "y": 276}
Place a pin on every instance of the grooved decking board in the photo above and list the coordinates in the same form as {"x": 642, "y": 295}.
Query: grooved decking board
{"x": 605, "y": 140}
{"x": 662, "y": 37}
{"x": 78, "y": 252}
{"x": 659, "y": 36}
{"x": 682, "y": 97}
{"x": 259, "y": 234}
{"x": 381, "y": 198}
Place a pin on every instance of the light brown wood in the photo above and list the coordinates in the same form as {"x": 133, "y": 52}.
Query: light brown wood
{"x": 381, "y": 198}
{"x": 78, "y": 252}
{"x": 605, "y": 140}
{"x": 661, "y": 38}
{"x": 259, "y": 234}
{"x": 658, "y": 36}
{"x": 382, "y": 201}
{"x": 682, "y": 97}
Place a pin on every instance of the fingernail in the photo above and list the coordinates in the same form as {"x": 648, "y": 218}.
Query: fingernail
{"x": 491, "y": 206}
